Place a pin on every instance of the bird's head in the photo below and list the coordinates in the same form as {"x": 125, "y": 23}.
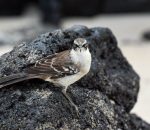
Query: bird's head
{"x": 80, "y": 44}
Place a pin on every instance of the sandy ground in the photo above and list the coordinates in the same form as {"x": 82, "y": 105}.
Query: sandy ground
{"x": 128, "y": 30}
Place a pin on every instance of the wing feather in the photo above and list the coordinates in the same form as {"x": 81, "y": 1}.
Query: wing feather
{"x": 55, "y": 66}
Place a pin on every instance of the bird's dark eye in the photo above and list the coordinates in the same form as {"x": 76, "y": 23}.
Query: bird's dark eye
{"x": 75, "y": 46}
{"x": 85, "y": 46}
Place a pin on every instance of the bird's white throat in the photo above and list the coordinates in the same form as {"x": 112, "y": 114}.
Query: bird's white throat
{"x": 82, "y": 57}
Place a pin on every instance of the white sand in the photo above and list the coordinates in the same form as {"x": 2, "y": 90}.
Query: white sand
{"x": 127, "y": 29}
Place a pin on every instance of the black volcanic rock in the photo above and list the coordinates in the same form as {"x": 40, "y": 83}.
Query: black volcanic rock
{"x": 146, "y": 36}
{"x": 104, "y": 97}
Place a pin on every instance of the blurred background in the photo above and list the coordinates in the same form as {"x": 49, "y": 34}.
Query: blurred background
{"x": 24, "y": 20}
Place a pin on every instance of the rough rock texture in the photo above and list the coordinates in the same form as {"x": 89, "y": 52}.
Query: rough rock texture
{"x": 104, "y": 97}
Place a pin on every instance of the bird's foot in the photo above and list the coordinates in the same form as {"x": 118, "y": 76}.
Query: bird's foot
{"x": 76, "y": 109}
{"x": 71, "y": 103}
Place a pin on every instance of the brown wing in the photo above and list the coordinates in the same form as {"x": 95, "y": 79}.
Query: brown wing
{"x": 55, "y": 66}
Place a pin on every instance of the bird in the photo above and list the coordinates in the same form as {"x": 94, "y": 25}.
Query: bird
{"x": 62, "y": 69}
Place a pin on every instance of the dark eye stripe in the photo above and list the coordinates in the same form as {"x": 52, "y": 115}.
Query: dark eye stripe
{"x": 75, "y": 46}
{"x": 85, "y": 45}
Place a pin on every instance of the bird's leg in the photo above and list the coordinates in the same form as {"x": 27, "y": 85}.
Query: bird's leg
{"x": 70, "y": 101}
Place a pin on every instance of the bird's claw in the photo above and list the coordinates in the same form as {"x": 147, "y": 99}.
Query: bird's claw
{"x": 76, "y": 110}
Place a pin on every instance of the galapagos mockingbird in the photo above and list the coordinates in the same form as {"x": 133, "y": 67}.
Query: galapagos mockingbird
{"x": 62, "y": 69}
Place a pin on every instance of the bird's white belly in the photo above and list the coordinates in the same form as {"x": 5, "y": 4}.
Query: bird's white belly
{"x": 68, "y": 80}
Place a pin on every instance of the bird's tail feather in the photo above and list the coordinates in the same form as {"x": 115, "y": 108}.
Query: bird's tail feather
{"x": 15, "y": 78}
